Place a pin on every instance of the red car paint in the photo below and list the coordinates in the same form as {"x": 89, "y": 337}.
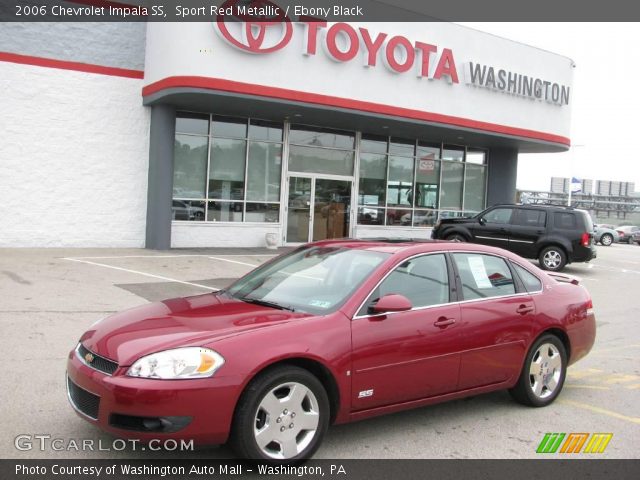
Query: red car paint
{"x": 458, "y": 349}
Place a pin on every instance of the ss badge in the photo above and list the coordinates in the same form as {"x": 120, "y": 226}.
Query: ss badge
{"x": 365, "y": 393}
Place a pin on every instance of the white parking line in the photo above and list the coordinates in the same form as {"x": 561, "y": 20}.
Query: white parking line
{"x": 137, "y": 272}
{"x": 234, "y": 261}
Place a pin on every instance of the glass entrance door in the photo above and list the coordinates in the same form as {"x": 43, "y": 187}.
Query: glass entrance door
{"x": 318, "y": 209}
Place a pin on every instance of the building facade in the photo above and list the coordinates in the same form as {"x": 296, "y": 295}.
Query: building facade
{"x": 229, "y": 133}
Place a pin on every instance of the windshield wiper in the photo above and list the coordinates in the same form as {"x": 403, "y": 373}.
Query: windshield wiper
{"x": 266, "y": 303}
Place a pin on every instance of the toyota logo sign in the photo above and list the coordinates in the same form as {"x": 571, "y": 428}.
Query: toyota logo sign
{"x": 248, "y": 31}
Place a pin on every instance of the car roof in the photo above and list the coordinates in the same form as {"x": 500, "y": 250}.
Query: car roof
{"x": 411, "y": 246}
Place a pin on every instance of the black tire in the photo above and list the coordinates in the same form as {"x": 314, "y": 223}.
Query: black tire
{"x": 552, "y": 259}
{"x": 606, "y": 239}
{"x": 525, "y": 390}
{"x": 250, "y": 414}
{"x": 456, "y": 237}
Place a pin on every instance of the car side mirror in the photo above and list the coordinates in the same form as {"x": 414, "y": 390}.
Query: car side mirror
{"x": 392, "y": 302}
{"x": 482, "y": 221}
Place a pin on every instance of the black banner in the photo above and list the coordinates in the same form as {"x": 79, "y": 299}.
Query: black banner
{"x": 323, "y": 10}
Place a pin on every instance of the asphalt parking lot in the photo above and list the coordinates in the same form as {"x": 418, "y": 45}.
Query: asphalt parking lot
{"x": 49, "y": 297}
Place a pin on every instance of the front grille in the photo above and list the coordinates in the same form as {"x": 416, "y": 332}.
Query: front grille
{"x": 101, "y": 364}
{"x": 85, "y": 402}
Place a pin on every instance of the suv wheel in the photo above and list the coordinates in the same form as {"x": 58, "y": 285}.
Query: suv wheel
{"x": 456, "y": 237}
{"x": 553, "y": 259}
{"x": 606, "y": 239}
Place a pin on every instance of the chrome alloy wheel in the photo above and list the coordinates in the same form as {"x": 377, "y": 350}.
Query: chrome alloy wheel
{"x": 545, "y": 370}
{"x": 286, "y": 420}
{"x": 606, "y": 240}
{"x": 552, "y": 259}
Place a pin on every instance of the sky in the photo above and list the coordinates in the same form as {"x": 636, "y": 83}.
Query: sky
{"x": 606, "y": 102}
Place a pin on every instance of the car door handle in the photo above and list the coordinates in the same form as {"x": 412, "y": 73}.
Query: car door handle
{"x": 444, "y": 322}
{"x": 524, "y": 309}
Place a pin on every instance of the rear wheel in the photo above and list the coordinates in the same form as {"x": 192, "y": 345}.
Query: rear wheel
{"x": 281, "y": 417}
{"x": 543, "y": 373}
{"x": 456, "y": 237}
{"x": 606, "y": 239}
{"x": 552, "y": 258}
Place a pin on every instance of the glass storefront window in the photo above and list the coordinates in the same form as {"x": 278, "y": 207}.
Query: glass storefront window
{"x": 262, "y": 212}
{"x": 428, "y": 150}
{"x": 194, "y": 123}
{"x": 373, "y": 144}
{"x": 267, "y": 131}
{"x": 224, "y": 212}
{"x": 476, "y": 156}
{"x": 400, "y": 183}
{"x": 229, "y": 127}
{"x": 427, "y": 183}
{"x": 190, "y": 166}
{"x": 263, "y": 171}
{"x": 226, "y": 172}
{"x": 320, "y": 160}
{"x": 452, "y": 152}
{"x": 399, "y": 146}
{"x": 373, "y": 179}
{"x": 192, "y": 211}
{"x": 398, "y": 217}
{"x": 451, "y": 190}
{"x": 474, "y": 187}
{"x": 371, "y": 216}
{"x": 321, "y": 137}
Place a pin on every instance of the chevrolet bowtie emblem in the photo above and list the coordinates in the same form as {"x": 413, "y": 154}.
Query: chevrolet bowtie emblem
{"x": 89, "y": 357}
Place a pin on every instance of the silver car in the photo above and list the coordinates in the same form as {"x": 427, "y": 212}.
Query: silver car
{"x": 605, "y": 235}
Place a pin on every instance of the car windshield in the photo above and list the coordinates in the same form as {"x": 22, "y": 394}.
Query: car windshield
{"x": 312, "y": 279}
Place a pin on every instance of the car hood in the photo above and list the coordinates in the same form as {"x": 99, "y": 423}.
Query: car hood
{"x": 449, "y": 221}
{"x": 178, "y": 322}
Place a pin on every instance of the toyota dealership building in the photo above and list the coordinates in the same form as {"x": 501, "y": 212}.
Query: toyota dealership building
{"x": 239, "y": 134}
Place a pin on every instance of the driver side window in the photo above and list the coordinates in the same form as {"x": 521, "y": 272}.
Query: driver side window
{"x": 423, "y": 280}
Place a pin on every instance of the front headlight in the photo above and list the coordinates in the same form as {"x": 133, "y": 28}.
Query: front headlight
{"x": 180, "y": 363}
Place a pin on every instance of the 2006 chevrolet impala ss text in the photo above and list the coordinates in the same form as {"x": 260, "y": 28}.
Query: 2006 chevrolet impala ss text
{"x": 331, "y": 332}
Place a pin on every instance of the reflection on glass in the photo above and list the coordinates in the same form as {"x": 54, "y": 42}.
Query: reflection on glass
{"x": 320, "y": 160}
{"x": 370, "y": 216}
{"x": 428, "y": 150}
{"x": 192, "y": 123}
{"x": 190, "y": 166}
{"x": 400, "y": 146}
{"x": 264, "y": 171}
{"x": 452, "y": 152}
{"x": 474, "y": 187}
{"x": 262, "y": 212}
{"x": 299, "y": 209}
{"x": 476, "y": 156}
{"x": 400, "y": 183}
{"x": 427, "y": 181}
{"x": 451, "y": 193}
{"x": 424, "y": 218}
{"x": 229, "y": 127}
{"x": 224, "y": 212}
{"x": 332, "y": 203}
{"x": 373, "y": 174}
{"x": 398, "y": 217}
{"x": 321, "y": 137}
{"x": 268, "y": 131}
{"x": 187, "y": 210}
{"x": 226, "y": 174}
{"x": 373, "y": 144}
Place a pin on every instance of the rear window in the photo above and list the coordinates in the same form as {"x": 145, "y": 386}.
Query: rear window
{"x": 565, "y": 220}
{"x": 483, "y": 276}
{"x": 531, "y": 282}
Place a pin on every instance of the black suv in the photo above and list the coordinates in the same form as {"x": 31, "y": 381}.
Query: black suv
{"x": 552, "y": 234}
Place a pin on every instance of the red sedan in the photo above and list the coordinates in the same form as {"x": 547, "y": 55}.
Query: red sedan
{"x": 332, "y": 332}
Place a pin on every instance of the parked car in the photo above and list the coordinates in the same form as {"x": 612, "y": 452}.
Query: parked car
{"x": 331, "y": 332}
{"x": 554, "y": 235}
{"x": 187, "y": 210}
{"x": 636, "y": 237}
{"x": 626, "y": 232}
{"x": 605, "y": 235}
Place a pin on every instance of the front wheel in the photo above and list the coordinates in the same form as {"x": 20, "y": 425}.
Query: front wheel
{"x": 281, "y": 417}
{"x": 553, "y": 259}
{"x": 543, "y": 373}
{"x": 606, "y": 239}
{"x": 456, "y": 237}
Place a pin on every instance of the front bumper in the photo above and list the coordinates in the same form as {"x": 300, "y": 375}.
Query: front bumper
{"x": 199, "y": 409}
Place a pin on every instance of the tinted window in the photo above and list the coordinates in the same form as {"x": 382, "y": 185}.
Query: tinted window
{"x": 498, "y": 215}
{"x": 531, "y": 282}
{"x": 423, "y": 280}
{"x": 564, "y": 220}
{"x": 483, "y": 276}
{"x": 530, "y": 218}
